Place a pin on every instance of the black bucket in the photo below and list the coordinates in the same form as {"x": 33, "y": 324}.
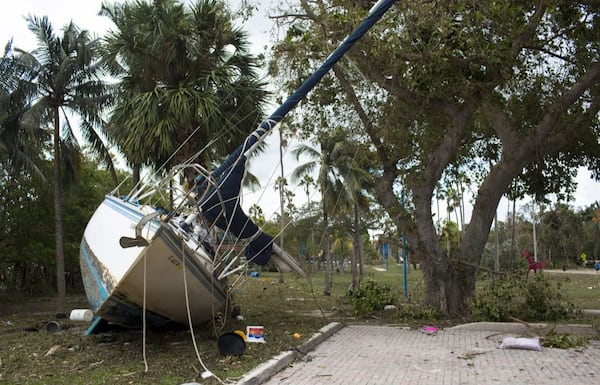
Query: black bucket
{"x": 52, "y": 326}
{"x": 231, "y": 344}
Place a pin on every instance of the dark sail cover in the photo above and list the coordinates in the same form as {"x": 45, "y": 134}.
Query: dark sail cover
{"x": 221, "y": 206}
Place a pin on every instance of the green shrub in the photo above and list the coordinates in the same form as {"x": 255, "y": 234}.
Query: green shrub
{"x": 562, "y": 341}
{"x": 536, "y": 299}
{"x": 369, "y": 297}
{"x": 411, "y": 311}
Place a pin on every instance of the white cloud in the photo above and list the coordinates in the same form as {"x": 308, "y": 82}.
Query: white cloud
{"x": 59, "y": 12}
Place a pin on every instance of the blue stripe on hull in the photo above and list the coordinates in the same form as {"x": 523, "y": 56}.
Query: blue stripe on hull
{"x": 94, "y": 288}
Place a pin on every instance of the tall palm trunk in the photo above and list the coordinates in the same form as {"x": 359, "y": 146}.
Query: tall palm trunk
{"x": 58, "y": 221}
{"x": 357, "y": 251}
{"x": 136, "y": 174}
{"x": 328, "y": 260}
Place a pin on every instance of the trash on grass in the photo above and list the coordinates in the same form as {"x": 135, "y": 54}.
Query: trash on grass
{"x": 52, "y": 326}
{"x": 52, "y": 350}
{"x": 81, "y": 315}
{"x": 231, "y": 344}
{"x": 240, "y": 333}
{"x": 255, "y": 334}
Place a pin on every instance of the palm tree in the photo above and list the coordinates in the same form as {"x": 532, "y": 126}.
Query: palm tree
{"x": 360, "y": 201}
{"x": 337, "y": 170}
{"x": 185, "y": 77}
{"x": 20, "y": 144}
{"x": 319, "y": 160}
{"x": 592, "y": 230}
{"x": 280, "y": 185}
{"x": 307, "y": 182}
{"x": 67, "y": 82}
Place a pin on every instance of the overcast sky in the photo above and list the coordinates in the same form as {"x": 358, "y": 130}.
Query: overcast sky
{"x": 84, "y": 14}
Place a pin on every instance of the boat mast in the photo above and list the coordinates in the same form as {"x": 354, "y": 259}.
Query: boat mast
{"x": 376, "y": 12}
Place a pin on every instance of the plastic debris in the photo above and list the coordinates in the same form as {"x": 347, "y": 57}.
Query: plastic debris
{"x": 532, "y": 343}
{"x": 255, "y": 334}
{"x": 431, "y": 330}
{"x": 81, "y": 315}
{"x": 52, "y": 350}
{"x": 231, "y": 344}
{"x": 241, "y": 334}
{"x": 52, "y": 326}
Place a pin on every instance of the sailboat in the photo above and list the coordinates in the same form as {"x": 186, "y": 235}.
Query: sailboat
{"x": 142, "y": 264}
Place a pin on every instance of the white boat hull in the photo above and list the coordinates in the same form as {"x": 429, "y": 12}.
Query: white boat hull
{"x": 170, "y": 277}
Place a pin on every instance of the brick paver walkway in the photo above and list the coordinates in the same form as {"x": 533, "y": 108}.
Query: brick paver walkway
{"x": 372, "y": 355}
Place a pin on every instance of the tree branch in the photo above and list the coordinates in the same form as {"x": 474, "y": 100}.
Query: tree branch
{"x": 530, "y": 28}
{"x": 565, "y": 101}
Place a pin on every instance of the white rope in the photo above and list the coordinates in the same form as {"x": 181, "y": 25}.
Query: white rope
{"x": 144, "y": 320}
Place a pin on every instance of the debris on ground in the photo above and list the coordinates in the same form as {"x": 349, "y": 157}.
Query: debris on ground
{"x": 532, "y": 343}
{"x": 431, "y": 330}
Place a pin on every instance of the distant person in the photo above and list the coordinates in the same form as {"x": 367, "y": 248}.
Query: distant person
{"x": 597, "y": 266}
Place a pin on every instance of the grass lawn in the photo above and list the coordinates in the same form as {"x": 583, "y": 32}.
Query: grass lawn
{"x": 581, "y": 289}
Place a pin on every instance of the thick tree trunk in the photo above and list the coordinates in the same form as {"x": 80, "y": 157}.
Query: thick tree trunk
{"x": 495, "y": 185}
{"x": 447, "y": 284}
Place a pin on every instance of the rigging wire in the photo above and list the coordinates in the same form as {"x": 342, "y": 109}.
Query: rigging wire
{"x": 144, "y": 321}
{"x": 189, "y": 315}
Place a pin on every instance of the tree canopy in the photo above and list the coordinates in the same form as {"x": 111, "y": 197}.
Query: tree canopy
{"x": 509, "y": 90}
{"x": 185, "y": 78}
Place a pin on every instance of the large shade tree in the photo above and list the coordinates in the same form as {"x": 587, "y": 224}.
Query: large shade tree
{"x": 456, "y": 85}
{"x": 185, "y": 78}
{"x": 67, "y": 84}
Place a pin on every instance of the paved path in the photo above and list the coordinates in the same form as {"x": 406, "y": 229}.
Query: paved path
{"x": 372, "y": 355}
